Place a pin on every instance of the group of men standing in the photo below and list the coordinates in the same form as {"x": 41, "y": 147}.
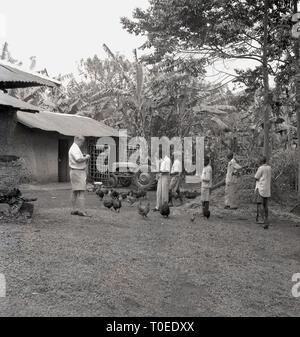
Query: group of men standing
{"x": 78, "y": 162}
{"x": 169, "y": 181}
{"x": 262, "y": 191}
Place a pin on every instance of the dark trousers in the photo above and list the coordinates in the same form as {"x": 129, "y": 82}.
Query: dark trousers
{"x": 263, "y": 210}
{"x": 205, "y": 208}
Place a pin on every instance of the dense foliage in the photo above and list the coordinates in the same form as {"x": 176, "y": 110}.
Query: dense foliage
{"x": 164, "y": 91}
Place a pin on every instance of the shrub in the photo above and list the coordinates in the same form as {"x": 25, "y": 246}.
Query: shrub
{"x": 13, "y": 173}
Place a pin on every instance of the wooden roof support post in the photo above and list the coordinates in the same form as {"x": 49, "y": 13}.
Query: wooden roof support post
{"x": 297, "y": 85}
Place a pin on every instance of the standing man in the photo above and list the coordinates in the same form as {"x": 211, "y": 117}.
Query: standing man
{"x": 263, "y": 192}
{"x": 206, "y": 185}
{"x": 231, "y": 187}
{"x": 162, "y": 192}
{"x": 78, "y": 168}
{"x": 175, "y": 182}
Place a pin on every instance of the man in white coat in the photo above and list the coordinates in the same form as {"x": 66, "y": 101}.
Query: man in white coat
{"x": 162, "y": 192}
{"x": 206, "y": 185}
{"x": 78, "y": 168}
{"x": 231, "y": 187}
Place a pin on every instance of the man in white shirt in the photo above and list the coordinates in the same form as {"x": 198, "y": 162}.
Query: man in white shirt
{"x": 206, "y": 185}
{"x": 263, "y": 191}
{"x": 78, "y": 167}
{"x": 162, "y": 192}
{"x": 231, "y": 187}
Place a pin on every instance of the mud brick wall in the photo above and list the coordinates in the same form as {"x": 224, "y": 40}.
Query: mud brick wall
{"x": 38, "y": 148}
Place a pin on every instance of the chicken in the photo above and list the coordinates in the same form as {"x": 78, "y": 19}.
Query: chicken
{"x": 193, "y": 217}
{"x": 141, "y": 193}
{"x": 117, "y": 204}
{"x": 165, "y": 210}
{"x": 206, "y": 214}
{"x": 107, "y": 200}
{"x": 124, "y": 195}
{"x": 144, "y": 208}
{"x": 100, "y": 193}
{"x": 174, "y": 197}
{"x": 191, "y": 194}
{"x": 131, "y": 198}
{"x": 114, "y": 194}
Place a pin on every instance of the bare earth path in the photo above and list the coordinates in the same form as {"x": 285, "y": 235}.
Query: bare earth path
{"x": 121, "y": 265}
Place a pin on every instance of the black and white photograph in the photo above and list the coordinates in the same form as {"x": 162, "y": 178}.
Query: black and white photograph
{"x": 150, "y": 161}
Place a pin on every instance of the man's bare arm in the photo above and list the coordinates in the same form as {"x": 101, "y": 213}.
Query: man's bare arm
{"x": 82, "y": 159}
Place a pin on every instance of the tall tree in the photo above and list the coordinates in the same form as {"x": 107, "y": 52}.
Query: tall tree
{"x": 266, "y": 82}
{"x": 214, "y": 30}
{"x": 209, "y": 29}
{"x": 297, "y": 88}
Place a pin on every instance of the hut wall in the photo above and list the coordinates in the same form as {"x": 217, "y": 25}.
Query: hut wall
{"x": 38, "y": 148}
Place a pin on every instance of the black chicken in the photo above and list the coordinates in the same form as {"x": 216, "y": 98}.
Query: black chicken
{"x": 206, "y": 214}
{"x": 100, "y": 194}
{"x": 114, "y": 194}
{"x": 141, "y": 193}
{"x": 108, "y": 201}
{"x": 165, "y": 210}
{"x": 117, "y": 204}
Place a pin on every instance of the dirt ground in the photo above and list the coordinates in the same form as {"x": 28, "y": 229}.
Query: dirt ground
{"x": 122, "y": 265}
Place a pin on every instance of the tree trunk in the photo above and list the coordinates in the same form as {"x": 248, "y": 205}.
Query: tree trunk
{"x": 266, "y": 84}
{"x": 297, "y": 77}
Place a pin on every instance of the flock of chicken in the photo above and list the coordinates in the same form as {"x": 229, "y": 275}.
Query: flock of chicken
{"x": 112, "y": 200}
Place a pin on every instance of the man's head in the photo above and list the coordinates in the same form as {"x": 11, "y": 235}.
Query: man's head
{"x": 206, "y": 160}
{"x": 230, "y": 156}
{"x": 79, "y": 140}
{"x": 263, "y": 160}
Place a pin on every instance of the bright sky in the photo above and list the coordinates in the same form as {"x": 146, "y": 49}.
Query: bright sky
{"x": 61, "y": 32}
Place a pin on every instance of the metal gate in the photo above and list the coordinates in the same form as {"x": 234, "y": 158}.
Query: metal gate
{"x": 94, "y": 174}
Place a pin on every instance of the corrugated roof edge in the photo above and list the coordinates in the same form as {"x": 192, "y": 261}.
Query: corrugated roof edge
{"x": 30, "y": 121}
{"x": 7, "y": 64}
{"x": 16, "y": 103}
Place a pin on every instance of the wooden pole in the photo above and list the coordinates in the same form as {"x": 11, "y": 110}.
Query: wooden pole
{"x": 297, "y": 107}
{"x": 266, "y": 83}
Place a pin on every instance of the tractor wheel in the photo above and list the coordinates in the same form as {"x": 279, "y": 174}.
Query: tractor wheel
{"x": 112, "y": 181}
{"x": 145, "y": 180}
{"x": 124, "y": 181}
